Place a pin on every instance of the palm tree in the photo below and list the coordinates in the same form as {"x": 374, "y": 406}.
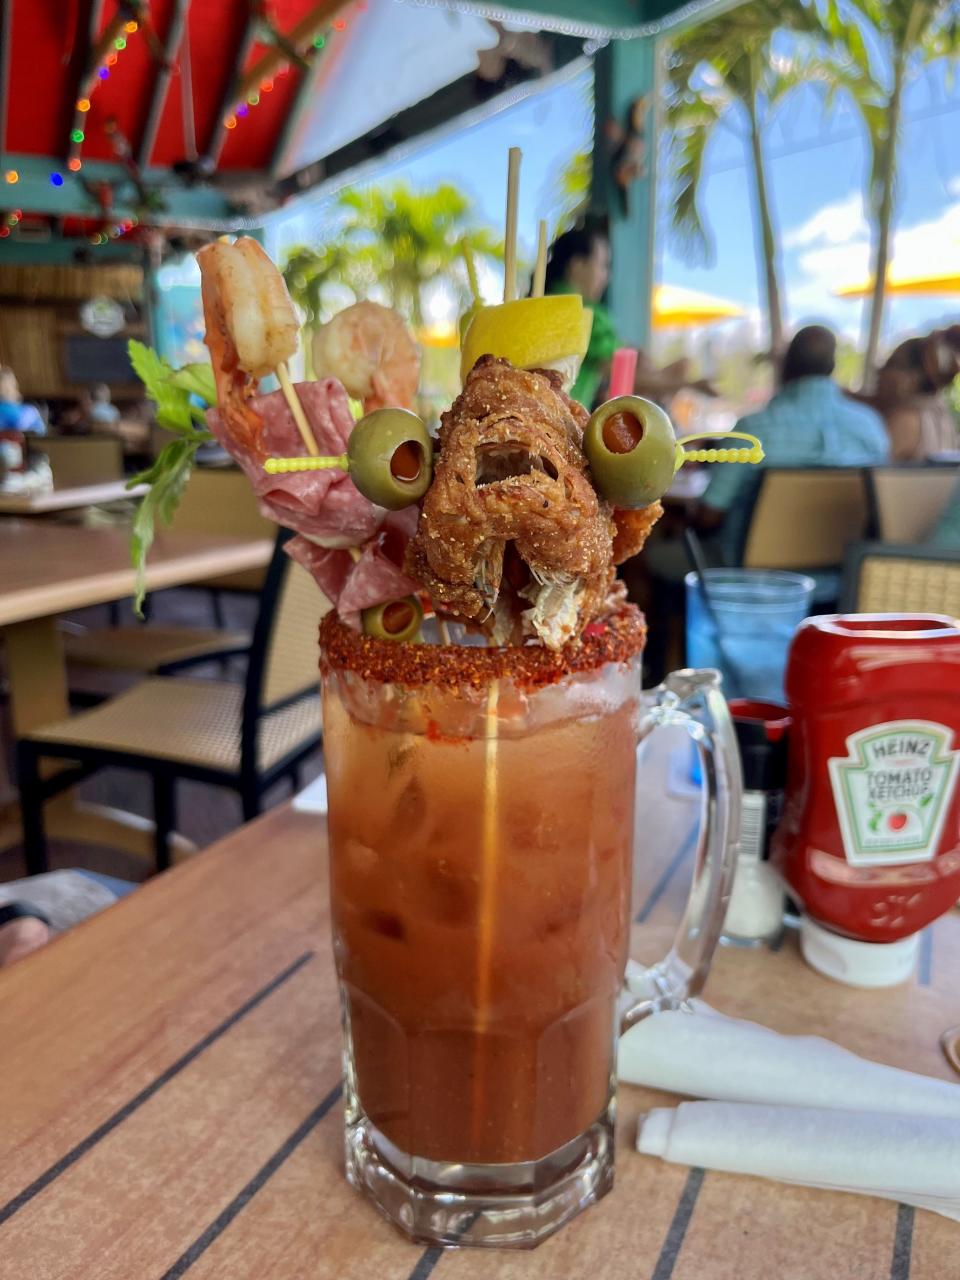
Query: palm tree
{"x": 720, "y": 71}
{"x": 876, "y": 48}
{"x": 571, "y": 189}
{"x": 400, "y": 240}
{"x": 309, "y": 273}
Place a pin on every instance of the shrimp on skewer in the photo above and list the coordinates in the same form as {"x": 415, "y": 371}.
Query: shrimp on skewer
{"x": 370, "y": 349}
{"x": 251, "y": 328}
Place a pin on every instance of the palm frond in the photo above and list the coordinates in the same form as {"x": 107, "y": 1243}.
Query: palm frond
{"x": 686, "y": 157}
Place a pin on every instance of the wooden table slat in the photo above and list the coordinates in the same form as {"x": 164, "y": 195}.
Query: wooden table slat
{"x": 48, "y": 568}
{"x": 53, "y": 500}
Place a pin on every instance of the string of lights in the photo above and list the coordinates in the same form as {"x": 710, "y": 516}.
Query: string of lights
{"x": 242, "y": 109}
{"x": 111, "y": 45}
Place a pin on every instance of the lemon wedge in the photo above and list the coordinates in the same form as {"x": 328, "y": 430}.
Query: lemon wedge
{"x": 530, "y": 332}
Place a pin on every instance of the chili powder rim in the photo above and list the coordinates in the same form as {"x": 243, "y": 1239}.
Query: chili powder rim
{"x": 615, "y": 639}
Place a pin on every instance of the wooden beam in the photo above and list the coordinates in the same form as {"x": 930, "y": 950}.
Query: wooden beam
{"x": 299, "y": 37}
{"x": 161, "y": 82}
{"x": 219, "y": 132}
{"x": 200, "y": 206}
{"x": 80, "y": 69}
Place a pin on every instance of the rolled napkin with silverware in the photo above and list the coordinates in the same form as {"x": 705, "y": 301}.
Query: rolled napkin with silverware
{"x": 909, "y": 1158}
{"x": 700, "y": 1053}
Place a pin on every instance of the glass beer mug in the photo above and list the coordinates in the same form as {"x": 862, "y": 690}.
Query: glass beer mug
{"x": 483, "y": 805}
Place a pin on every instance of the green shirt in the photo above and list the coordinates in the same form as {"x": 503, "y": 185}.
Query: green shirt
{"x": 603, "y": 343}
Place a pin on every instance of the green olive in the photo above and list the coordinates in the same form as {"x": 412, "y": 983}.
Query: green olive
{"x": 397, "y": 620}
{"x": 391, "y": 458}
{"x": 631, "y": 448}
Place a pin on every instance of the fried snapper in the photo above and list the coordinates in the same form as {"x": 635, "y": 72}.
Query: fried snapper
{"x": 513, "y": 536}
{"x": 633, "y": 529}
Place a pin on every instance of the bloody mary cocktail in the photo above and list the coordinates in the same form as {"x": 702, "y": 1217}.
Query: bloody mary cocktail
{"x": 481, "y": 831}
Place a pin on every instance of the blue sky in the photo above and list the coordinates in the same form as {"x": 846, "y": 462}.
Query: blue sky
{"x": 816, "y": 171}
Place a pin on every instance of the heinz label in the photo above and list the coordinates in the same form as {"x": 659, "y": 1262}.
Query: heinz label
{"x": 893, "y": 790}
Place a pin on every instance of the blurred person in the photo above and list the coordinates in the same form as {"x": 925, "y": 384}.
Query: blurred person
{"x": 578, "y": 261}
{"x": 74, "y": 419}
{"x": 102, "y": 411}
{"x": 808, "y": 422}
{"x": 37, "y": 908}
{"x": 14, "y": 414}
{"x": 910, "y": 395}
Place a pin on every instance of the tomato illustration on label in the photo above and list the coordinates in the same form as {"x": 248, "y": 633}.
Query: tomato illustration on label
{"x": 893, "y": 790}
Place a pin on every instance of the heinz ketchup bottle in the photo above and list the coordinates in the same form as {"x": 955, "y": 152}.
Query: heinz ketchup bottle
{"x": 870, "y": 837}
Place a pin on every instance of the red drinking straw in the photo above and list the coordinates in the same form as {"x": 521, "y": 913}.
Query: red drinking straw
{"x": 623, "y": 371}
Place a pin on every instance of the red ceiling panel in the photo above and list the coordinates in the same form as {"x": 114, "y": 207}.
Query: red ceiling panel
{"x": 48, "y": 35}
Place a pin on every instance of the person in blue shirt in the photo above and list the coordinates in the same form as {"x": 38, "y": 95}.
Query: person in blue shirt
{"x": 14, "y": 414}
{"x": 809, "y": 422}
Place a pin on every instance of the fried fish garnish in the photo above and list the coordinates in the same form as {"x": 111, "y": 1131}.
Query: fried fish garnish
{"x": 510, "y": 471}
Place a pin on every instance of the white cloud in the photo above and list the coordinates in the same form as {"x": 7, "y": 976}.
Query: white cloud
{"x": 836, "y": 252}
{"x": 921, "y": 249}
{"x": 930, "y": 246}
{"x": 839, "y": 223}
{"x": 953, "y": 185}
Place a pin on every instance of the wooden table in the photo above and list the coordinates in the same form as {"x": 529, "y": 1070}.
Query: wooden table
{"x": 54, "y": 500}
{"x": 47, "y": 569}
{"x": 170, "y": 1093}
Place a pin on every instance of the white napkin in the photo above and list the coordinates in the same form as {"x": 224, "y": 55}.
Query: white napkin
{"x": 706, "y": 1055}
{"x": 909, "y": 1158}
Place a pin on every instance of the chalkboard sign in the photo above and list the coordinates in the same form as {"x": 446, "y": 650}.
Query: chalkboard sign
{"x": 87, "y": 359}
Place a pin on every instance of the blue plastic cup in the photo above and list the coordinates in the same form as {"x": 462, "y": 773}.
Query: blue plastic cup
{"x": 745, "y": 628}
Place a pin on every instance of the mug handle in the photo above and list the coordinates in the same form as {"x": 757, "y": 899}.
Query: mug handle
{"x": 693, "y": 699}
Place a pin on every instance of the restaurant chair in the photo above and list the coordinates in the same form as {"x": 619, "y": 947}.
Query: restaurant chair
{"x": 220, "y": 500}
{"x": 151, "y": 649}
{"x": 803, "y": 519}
{"x": 241, "y": 736}
{"x": 880, "y": 577}
{"x": 215, "y": 501}
{"x": 906, "y": 502}
{"x": 76, "y": 461}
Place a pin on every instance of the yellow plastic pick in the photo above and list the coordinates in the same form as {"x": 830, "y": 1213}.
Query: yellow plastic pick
{"x": 754, "y": 454}
{"x": 283, "y": 466}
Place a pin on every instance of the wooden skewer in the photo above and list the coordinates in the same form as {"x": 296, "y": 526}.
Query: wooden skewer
{"x": 486, "y": 939}
{"x": 489, "y": 849}
{"x": 296, "y": 408}
{"x": 510, "y": 235}
{"x": 540, "y": 271}
{"x": 444, "y": 631}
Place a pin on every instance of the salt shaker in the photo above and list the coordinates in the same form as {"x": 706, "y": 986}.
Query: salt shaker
{"x": 755, "y": 913}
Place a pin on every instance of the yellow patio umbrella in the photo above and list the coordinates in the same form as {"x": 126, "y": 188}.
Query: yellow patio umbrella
{"x": 944, "y": 279}
{"x": 675, "y": 307}
{"x": 439, "y": 335}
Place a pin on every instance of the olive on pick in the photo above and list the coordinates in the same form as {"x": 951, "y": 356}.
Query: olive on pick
{"x": 397, "y": 620}
{"x": 390, "y": 456}
{"x": 631, "y": 448}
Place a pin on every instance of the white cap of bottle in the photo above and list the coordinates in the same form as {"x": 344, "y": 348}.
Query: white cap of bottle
{"x": 858, "y": 964}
